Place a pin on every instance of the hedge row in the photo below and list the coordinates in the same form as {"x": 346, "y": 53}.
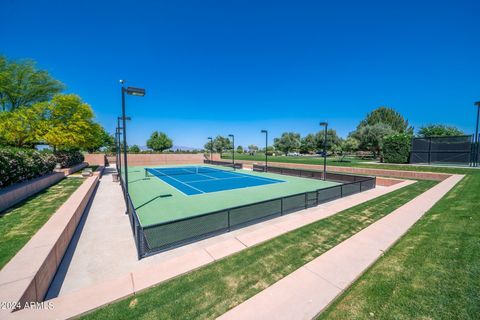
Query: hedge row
{"x": 17, "y": 164}
{"x": 396, "y": 148}
{"x": 69, "y": 158}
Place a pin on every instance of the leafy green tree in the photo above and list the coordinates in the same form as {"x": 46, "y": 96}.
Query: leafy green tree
{"x": 252, "y": 149}
{"x": 372, "y": 137}
{"x": 134, "y": 149}
{"x": 333, "y": 140}
{"x": 350, "y": 145}
{"x": 239, "y": 149}
{"x": 159, "y": 141}
{"x": 220, "y": 144}
{"x": 308, "y": 144}
{"x": 68, "y": 123}
{"x": 208, "y": 146}
{"x": 387, "y": 116}
{"x": 439, "y": 130}
{"x": 22, "y": 84}
{"x": 289, "y": 141}
{"x": 102, "y": 139}
{"x": 22, "y": 127}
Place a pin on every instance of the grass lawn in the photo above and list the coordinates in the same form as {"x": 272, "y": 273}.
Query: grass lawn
{"x": 352, "y": 162}
{"x": 433, "y": 272}
{"x": 220, "y": 286}
{"x": 334, "y": 161}
{"x": 19, "y": 223}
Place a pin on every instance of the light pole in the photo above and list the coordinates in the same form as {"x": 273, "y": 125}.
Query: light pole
{"x": 134, "y": 92}
{"x": 233, "y": 149}
{"x": 266, "y": 149}
{"x": 324, "y": 124}
{"x": 211, "y": 149}
{"x": 119, "y": 149}
{"x": 117, "y": 145}
{"x": 475, "y": 156}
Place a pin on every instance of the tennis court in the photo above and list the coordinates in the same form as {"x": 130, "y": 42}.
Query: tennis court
{"x": 174, "y": 205}
{"x": 194, "y": 180}
{"x": 158, "y": 197}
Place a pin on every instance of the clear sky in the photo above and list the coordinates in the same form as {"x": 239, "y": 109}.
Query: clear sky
{"x": 239, "y": 66}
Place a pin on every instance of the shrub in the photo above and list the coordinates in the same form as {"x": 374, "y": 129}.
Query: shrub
{"x": 17, "y": 165}
{"x": 396, "y": 148}
{"x": 68, "y": 158}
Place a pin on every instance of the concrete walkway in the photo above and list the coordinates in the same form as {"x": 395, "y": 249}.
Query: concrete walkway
{"x": 100, "y": 271}
{"x": 102, "y": 239}
{"x": 309, "y": 290}
{"x": 103, "y": 247}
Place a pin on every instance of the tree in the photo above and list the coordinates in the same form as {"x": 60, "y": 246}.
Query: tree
{"x": 439, "y": 130}
{"x": 22, "y": 127}
{"x": 239, "y": 149}
{"x": 372, "y": 137}
{"x": 308, "y": 144}
{"x": 22, "y": 84}
{"x": 350, "y": 145}
{"x": 386, "y": 116}
{"x": 333, "y": 140}
{"x": 220, "y": 144}
{"x": 289, "y": 141}
{"x": 134, "y": 149}
{"x": 102, "y": 139}
{"x": 68, "y": 123}
{"x": 208, "y": 146}
{"x": 159, "y": 141}
{"x": 252, "y": 149}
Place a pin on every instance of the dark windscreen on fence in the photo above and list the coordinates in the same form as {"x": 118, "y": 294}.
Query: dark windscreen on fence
{"x": 457, "y": 150}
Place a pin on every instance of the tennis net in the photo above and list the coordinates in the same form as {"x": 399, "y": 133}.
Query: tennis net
{"x": 150, "y": 172}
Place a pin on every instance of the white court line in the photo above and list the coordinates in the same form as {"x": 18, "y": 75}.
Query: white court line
{"x": 216, "y": 179}
{"x": 164, "y": 175}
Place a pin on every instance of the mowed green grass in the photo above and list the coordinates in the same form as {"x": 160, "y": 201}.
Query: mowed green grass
{"x": 260, "y": 157}
{"x": 431, "y": 273}
{"x": 19, "y": 223}
{"x": 220, "y": 286}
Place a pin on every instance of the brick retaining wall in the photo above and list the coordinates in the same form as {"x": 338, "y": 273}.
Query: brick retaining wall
{"x": 16, "y": 193}
{"x": 160, "y": 159}
{"x": 364, "y": 171}
{"x": 27, "y": 277}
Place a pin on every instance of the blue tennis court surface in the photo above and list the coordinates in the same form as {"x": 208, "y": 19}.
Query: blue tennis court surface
{"x": 198, "y": 180}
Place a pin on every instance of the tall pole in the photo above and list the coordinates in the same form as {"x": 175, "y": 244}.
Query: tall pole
{"x": 211, "y": 148}
{"x": 476, "y": 162}
{"x": 119, "y": 155}
{"x": 125, "y": 160}
{"x": 324, "y": 124}
{"x": 266, "y": 149}
{"x": 116, "y": 148}
{"x": 233, "y": 150}
{"x": 325, "y": 155}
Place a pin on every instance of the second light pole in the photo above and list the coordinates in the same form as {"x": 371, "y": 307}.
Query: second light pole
{"x": 211, "y": 149}
{"x": 324, "y": 124}
{"x": 233, "y": 149}
{"x": 266, "y": 149}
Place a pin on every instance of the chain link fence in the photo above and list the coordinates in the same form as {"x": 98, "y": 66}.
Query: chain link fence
{"x": 167, "y": 235}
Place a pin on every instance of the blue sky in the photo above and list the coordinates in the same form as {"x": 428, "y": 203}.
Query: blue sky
{"x": 220, "y": 67}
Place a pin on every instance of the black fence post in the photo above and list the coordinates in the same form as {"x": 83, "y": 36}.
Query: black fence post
{"x": 429, "y": 149}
